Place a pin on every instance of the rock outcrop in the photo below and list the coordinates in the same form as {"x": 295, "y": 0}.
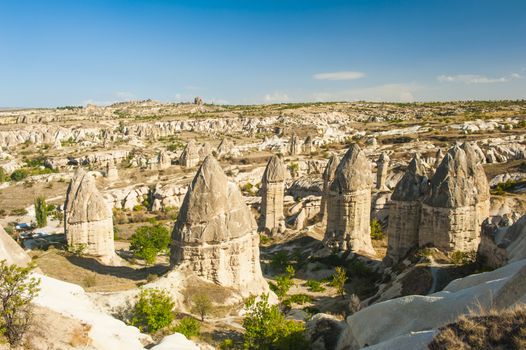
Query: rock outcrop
{"x": 382, "y": 166}
{"x": 328, "y": 176}
{"x": 215, "y": 234}
{"x": 190, "y": 156}
{"x": 404, "y": 211}
{"x": 272, "y": 218}
{"x": 295, "y": 146}
{"x": 349, "y": 204}
{"x": 111, "y": 172}
{"x": 163, "y": 160}
{"x": 308, "y": 145}
{"x": 11, "y": 251}
{"x": 457, "y": 204}
{"x": 88, "y": 222}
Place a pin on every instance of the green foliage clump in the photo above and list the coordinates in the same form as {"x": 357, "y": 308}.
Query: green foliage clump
{"x": 280, "y": 260}
{"x": 283, "y": 282}
{"x": 41, "y": 211}
{"x": 3, "y": 175}
{"x": 299, "y": 299}
{"x": 19, "y": 174}
{"x": 376, "y": 230}
{"x": 148, "y": 241}
{"x": 264, "y": 239}
{"x": 152, "y": 311}
{"x": 463, "y": 258}
{"x": 17, "y": 290}
{"x": 267, "y": 329}
{"x": 503, "y": 187}
{"x": 202, "y": 305}
{"x": 315, "y": 286}
{"x": 338, "y": 280}
{"x": 188, "y": 326}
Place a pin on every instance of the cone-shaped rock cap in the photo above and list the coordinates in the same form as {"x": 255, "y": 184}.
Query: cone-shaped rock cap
{"x": 330, "y": 169}
{"x": 353, "y": 172}
{"x": 452, "y": 185}
{"x": 275, "y": 170}
{"x": 84, "y": 203}
{"x": 213, "y": 210}
{"x": 413, "y": 184}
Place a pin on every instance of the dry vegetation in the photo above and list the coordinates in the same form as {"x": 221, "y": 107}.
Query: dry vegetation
{"x": 489, "y": 330}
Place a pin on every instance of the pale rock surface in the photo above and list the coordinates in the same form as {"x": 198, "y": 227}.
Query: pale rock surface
{"x": 215, "y": 234}
{"x": 349, "y": 204}
{"x": 458, "y": 202}
{"x": 111, "y": 173}
{"x": 88, "y": 220}
{"x": 328, "y": 176}
{"x": 404, "y": 211}
{"x": 272, "y": 217}
{"x": 381, "y": 172}
{"x": 295, "y": 146}
{"x": 11, "y": 251}
{"x": 190, "y": 156}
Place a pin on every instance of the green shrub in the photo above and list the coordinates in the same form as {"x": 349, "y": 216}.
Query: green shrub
{"x": 201, "y": 305}
{"x": 17, "y": 290}
{"x": 3, "y": 175}
{"x": 152, "y": 311}
{"x": 280, "y": 260}
{"x": 315, "y": 286}
{"x": 226, "y": 344}
{"x": 299, "y": 299}
{"x": 41, "y": 211}
{"x": 188, "y": 326}
{"x": 19, "y": 174}
{"x": 376, "y": 230}
{"x": 148, "y": 241}
{"x": 463, "y": 258}
{"x": 283, "y": 283}
{"x": 266, "y": 327}
{"x": 264, "y": 239}
{"x": 338, "y": 280}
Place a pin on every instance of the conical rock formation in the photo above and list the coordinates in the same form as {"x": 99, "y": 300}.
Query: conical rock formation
{"x": 404, "y": 211}
{"x": 190, "y": 156}
{"x": 272, "y": 217}
{"x": 349, "y": 204}
{"x": 88, "y": 221}
{"x": 215, "y": 234}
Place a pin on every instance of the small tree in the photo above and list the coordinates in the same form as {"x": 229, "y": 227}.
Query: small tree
{"x": 17, "y": 290}
{"x": 148, "y": 241}
{"x": 266, "y": 327}
{"x": 202, "y": 305}
{"x": 376, "y": 230}
{"x": 188, "y": 326}
{"x": 41, "y": 211}
{"x": 338, "y": 280}
{"x": 152, "y": 311}
{"x": 284, "y": 282}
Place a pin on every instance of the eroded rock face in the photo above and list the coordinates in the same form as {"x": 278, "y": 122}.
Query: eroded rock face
{"x": 349, "y": 204}
{"x": 163, "y": 160}
{"x": 272, "y": 218}
{"x": 88, "y": 220}
{"x": 308, "y": 145}
{"x": 328, "y": 176}
{"x": 381, "y": 172}
{"x": 215, "y": 234}
{"x": 11, "y": 251}
{"x": 404, "y": 211}
{"x": 457, "y": 204}
{"x": 190, "y": 156}
{"x": 295, "y": 146}
{"x": 111, "y": 172}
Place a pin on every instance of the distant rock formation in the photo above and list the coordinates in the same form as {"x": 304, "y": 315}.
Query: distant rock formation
{"x": 190, "y": 156}
{"x": 204, "y": 151}
{"x": 328, "y": 176}
{"x": 198, "y": 101}
{"x": 88, "y": 221}
{"x": 272, "y": 218}
{"x": 438, "y": 158}
{"x": 163, "y": 160}
{"x": 308, "y": 145}
{"x": 457, "y": 204}
{"x": 215, "y": 234}
{"x": 111, "y": 172}
{"x": 295, "y": 146}
{"x": 404, "y": 211}
{"x": 225, "y": 148}
{"x": 349, "y": 204}
{"x": 381, "y": 172}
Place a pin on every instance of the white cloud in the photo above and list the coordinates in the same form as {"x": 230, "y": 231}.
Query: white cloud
{"x": 380, "y": 93}
{"x": 276, "y": 97}
{"x": 345, "y": 75}
{"x": 476, "y": 79}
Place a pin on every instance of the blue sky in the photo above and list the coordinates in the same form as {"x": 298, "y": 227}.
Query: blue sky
{"x": 56, "y": 53}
